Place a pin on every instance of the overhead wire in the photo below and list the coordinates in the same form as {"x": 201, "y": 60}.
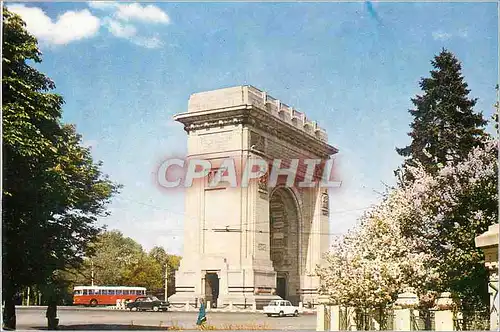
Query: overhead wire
{"x": 228, "y": 226}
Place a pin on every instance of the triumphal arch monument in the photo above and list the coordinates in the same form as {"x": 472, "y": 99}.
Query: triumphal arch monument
{"x": 248, "y": 244}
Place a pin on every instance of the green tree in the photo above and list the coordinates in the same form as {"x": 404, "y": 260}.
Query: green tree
{"x": 53, "y": 192}
{"x": 172, "y": 261}
{"x": 445, "y": 127}
{"x": 452, "y": 156}
{"x": 113, "y": 257}
{"x": 146, "y": 272}
{"x": 159, "y": 254}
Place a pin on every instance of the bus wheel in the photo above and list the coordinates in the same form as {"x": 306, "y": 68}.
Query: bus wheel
{"x": 93, "y": 302}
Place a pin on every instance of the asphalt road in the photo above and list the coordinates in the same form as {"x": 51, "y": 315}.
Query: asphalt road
{"x": 78, "y": 318}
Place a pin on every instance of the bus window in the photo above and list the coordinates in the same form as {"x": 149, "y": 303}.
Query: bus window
{"x": 85, "y": 292}
{"x": 119, "y": 292}
{"x": 78, "y": 292}
{"x": 111, "y": 292}
{"x": 126, "y": 292}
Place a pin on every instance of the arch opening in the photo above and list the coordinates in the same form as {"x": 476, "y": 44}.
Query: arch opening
{"x": 284, "y": 241}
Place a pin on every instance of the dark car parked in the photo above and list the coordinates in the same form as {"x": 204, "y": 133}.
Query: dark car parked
{"x": 143, "y": 303}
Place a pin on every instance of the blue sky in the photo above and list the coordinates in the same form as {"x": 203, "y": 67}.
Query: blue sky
{"x": 125, "y": 69}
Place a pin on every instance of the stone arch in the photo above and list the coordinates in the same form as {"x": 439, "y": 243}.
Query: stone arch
{"x": 285, "y": 239}
{"x": 221, "y": 124}
{"x": 301, "y": 198}
{"x": 295, "y": 194}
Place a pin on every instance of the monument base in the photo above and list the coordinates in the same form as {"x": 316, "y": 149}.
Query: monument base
{"x": 237, "y": 301}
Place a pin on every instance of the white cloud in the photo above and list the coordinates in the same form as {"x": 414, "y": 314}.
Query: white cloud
{"x": 133, "y": 11}
{"x": 439, "y": 35}
{"x": 148, "y": 13}
{"x": 442, "y": 35}
{"x": 128, "y": 31}
{"x": 76, "y": 25}
{"x": 70, "y": 26}
{"x": 120, "y": 30}
{"x": 120, "y": 16}
{"x": 103, "y": 5}
{"x": 148, "y": 42}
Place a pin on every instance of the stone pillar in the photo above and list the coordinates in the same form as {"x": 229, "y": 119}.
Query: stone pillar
{"x": 402, "y": 319}
{"x": 404, "y": 305}
{"x": 488, "y": 241}
{"x": 444, "y": 313}
{"x": 321, "y": 321}
{"x": 322, "y": 313}
{"x": 334, "y": 318}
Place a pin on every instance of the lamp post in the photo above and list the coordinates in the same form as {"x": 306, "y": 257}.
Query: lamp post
{"x": 92, "y": 272}
{"x": 166, "y": 282}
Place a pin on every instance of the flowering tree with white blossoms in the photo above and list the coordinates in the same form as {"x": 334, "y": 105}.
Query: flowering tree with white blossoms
{"x": 451, "y": 209}
{"x": 370, "y": 265}
{"x": 420, "y": 236}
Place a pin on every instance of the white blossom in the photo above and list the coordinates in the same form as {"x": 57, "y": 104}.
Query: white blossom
{"x": 376, "y": 260}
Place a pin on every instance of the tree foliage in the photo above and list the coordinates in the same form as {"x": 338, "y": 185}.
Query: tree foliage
{"x": 445, "y": 127}
{"x": 172, "y": 261}
{"x": 421, "y": 236}
{"x": 119, "y": 260}
{"x": 53, "y": 192}
{"x": 451, "y": 208}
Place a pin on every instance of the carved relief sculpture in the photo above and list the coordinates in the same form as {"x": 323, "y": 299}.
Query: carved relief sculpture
{"x": 263, "y": 183}
{"x": 324, "y": 204}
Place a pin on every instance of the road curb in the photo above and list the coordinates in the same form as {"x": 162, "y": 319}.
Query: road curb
{"x": 113, "y": 308}
{"x": 41, "y": 307}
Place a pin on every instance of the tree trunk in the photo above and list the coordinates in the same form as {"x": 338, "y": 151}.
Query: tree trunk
{"x": 9, "y": 312}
